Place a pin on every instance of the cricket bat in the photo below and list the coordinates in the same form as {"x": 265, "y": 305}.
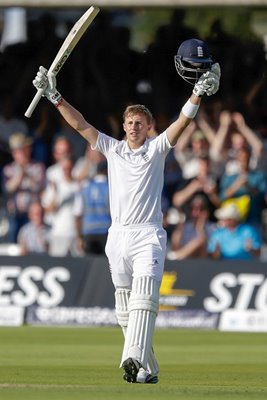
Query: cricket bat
{"x": 65, "y": 50}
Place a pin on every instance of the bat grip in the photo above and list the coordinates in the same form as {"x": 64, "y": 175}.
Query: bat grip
{"x": 34, "y": 103}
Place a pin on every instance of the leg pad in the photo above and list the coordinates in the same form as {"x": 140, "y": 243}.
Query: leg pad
{"x": 143, "y": 309}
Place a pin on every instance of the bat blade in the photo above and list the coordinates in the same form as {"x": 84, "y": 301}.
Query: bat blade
{"x": 65, "y": 50}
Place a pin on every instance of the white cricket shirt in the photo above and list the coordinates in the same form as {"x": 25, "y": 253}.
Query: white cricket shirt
{"x": 135, "y": 178}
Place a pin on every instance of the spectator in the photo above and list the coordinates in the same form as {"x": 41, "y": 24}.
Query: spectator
{"x": 204, "y": 183}
{"x": 61, "y": 149}
{"x": 191, "y": 145}
{"x": 76, "y": 142}
{"x": 23, "y": 182}
{"x": 91, "y": 209}
{"x": 33, "y": 236}
{"x": 62, "y": 240}
{"x": 189, "y": 239}
{"x": 233, "y": 239}
{"x": 217, "y": 147}
{"x": 85, "y": 167}
{"x": 241, "y": 137}
{"x": 246, "y": 184}
{"x": 54, "y": 175}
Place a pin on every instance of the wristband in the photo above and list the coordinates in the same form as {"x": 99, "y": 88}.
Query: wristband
{"x": 190, "y": 110}
{"x": 59, "y": 102}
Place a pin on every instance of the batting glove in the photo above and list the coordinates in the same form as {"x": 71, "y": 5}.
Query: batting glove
{"x": 214, "y": 79}
{"x": 209, "y": 82}
{"x": 201, "y": 86}
{"x": 47, "y": 82}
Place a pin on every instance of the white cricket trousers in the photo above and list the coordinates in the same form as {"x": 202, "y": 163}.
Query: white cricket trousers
{"x": 134, "y": 251}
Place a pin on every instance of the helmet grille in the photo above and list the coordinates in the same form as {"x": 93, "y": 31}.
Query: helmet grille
{"x": 190, "y": 71}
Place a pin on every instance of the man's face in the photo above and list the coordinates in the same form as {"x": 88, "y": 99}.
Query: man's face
{"x": 36, "y": 214}
{"x": 22, "y": 156}
{"x": 199, "y": 145}
{"x": 238, "y": 141}
{"x": 136, "y": 128}
{"x": 229, "y": 223}
{"x": 61, "y": 150}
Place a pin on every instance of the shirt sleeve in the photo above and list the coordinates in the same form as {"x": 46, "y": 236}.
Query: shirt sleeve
{"x": 162, "y": 143}
{"x": 105, "y": 143}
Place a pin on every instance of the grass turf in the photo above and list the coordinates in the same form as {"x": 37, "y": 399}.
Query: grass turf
{"x": 82, "y": 363}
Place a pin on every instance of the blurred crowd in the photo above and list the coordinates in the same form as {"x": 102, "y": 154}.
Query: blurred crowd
{"x": 54, "y": 193}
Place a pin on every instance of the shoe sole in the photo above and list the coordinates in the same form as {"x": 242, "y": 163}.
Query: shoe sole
{"x": 131, "y": 370}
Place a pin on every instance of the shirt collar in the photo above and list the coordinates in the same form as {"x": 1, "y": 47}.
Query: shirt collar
{"x": 141, "y": 149}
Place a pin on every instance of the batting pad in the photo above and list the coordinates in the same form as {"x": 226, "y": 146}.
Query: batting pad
{"x": 122, "y": 312}
{"x": 143, "y": 309}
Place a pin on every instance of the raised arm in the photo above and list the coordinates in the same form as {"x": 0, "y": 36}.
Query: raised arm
{"x": 206, "y": 128}
{"x": 76, "y": 120}
{"x": 217, "y": 147}
{"x": 250, "y": 136}
{"x": 208, "y": 84}
{"x": 72, "y": 116}
{"x": 175, "y": 130}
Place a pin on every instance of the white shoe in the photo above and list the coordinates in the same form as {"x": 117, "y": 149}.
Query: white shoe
{"x": 144, "y": 376}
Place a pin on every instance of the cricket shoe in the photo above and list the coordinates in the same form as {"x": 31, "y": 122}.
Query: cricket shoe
{"x": 144, "y": 376}
{"x": 131, "y": 368}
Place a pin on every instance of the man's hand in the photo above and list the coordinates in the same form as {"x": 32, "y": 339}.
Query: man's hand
{"x": 209, "y": 82}
{"x": 217, "y": 252}
{"x": 46, "y": 81}
{"x": 201, "y": 87}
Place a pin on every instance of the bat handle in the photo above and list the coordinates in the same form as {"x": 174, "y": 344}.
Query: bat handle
{"x": 34, "y": 103}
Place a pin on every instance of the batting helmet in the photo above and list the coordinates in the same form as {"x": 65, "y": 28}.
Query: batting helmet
{"x": 193, "y": 59}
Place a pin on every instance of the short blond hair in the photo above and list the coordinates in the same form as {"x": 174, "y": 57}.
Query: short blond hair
{"x": 138, "y": 109}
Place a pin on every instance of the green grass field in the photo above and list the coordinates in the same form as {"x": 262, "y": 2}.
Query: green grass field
{"x": 82, "y": 363}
